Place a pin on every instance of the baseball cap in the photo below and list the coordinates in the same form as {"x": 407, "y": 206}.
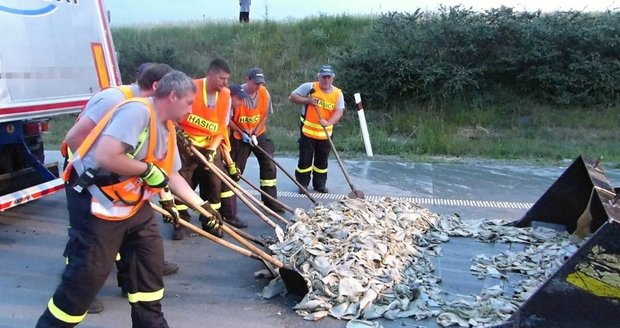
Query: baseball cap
{"x": 326, "y": 70}
{"x": 256, "y": 75}
{"x": 142, "y": 68}
{"x": 237, "y": 90}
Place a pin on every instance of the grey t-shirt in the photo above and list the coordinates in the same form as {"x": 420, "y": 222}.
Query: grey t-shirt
{"x": 101, "y": 103}
{"x": 305, "y": 88}
{"x": 251, "y": 102}
{"x": 126, "y": 125}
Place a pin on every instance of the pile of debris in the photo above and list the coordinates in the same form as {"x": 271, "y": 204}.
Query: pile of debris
{"x": 373, "y": 259}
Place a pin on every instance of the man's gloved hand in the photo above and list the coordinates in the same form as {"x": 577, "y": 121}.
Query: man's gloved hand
{"x": 154, "y": 176}
{"x": 246, "y": 138}
{"x": 166, "y": 201}
{"x": 233, "y": 172}
{"x": 168, "y": 205}
{"x": 209, "y": 154}
{"x": 214, "y": 222}
{"x": 184, "y": 143}
{"x": 254, "y": 140}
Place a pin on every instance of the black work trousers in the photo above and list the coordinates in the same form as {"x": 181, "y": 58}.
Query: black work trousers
{"x": 312, "y": 164}
{"x": 267, "y": 169}
{"x": 91, "y": 251}
{"x": 195, "y": 172}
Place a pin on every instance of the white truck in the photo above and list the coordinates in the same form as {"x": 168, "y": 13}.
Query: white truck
{"x": 54, "y": 55}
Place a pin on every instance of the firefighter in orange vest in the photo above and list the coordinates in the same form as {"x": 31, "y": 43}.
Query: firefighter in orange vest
{"x": 95, "y": 109}
{"x": 129, "y": 156}
{"x": 249, "y": 126}
{"x": 207, "y": 129}
{"x": 314, "y": 148}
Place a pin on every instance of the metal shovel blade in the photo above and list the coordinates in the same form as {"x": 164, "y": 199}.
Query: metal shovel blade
{"x": 568, "y": 197}
{"x": 356, "y": 194}
{"x": 294, "y": 282}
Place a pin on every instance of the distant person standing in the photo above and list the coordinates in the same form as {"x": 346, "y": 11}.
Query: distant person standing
{"x": 319, "y": 97}
{"x": 244, "y": 11}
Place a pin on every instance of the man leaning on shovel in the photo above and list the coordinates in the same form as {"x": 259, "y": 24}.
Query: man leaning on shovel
{"x": 322, "y": 107}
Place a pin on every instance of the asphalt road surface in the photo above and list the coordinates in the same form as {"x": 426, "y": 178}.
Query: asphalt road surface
{"x": 215, "y": 287}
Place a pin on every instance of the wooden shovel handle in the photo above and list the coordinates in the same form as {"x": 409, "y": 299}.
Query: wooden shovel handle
{"x": 234, "y": 187}
{"x": 238, "y": 238}
{"x": 211, "y": 237}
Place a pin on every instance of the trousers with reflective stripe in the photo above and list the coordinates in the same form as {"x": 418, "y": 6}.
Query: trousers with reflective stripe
{"x": 312, "y": 164}
{"x": 267, "y": 169}
{"x": 91, "y": 250}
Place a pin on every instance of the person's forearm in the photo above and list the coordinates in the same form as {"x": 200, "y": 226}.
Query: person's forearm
{"x": 299, "y": 100}
{"x": 110, "y": 155}
{"x": 181, "y": 189}
{"x": 335, "y": 117}
{"x": 235, "y": 127}
{"x": 79, "y": 132}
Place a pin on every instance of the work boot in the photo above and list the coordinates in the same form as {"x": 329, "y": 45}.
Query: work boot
{"x": 96, "y": 306}
{"x": 322, "y": 189}
{"x": 236, "y": 222}
{"x": 170, "y": 268}
{"x": 274, "y": 207}
{"x": 179, "y": 230}
{"x": 229, "y": 212}
{"x": 301, "y": 191}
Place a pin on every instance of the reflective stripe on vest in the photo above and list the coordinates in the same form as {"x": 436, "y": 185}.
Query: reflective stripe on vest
{"x": 129, "y": 195}
{"x": 326, "y": 105}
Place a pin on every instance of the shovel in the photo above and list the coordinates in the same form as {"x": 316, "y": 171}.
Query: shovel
{"x": 293, "y": 280}
{"x": 302, "y": 188}
{"x": 218, "y": 241}
{"x": 271, "y": 198}
{"x": 233, "y": 186}
{"x": 354, "y": 192}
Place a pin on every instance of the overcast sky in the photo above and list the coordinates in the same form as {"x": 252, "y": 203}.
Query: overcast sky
{"x": 125, "y": 12}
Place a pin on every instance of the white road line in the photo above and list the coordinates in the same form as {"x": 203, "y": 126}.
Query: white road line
{"x": 418, "y": 200}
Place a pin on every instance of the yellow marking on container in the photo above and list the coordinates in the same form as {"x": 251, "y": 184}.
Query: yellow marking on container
{"x": 592, "y": 285}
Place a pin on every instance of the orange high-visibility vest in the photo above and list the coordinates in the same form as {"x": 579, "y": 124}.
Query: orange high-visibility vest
{"x": 204, "y": 123}
{"x": 326, "y": 106}
{"x": 128, "y": 195}
{"x": 127, "y": 93}
{"x": 248, "y": 119}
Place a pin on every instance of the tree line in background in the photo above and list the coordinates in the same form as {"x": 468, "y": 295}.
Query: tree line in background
{"x": 455, "y": 54}
{"x": 561, "y": 58}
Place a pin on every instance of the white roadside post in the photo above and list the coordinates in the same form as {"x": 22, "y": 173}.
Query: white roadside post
{"x": 362, "y": 117}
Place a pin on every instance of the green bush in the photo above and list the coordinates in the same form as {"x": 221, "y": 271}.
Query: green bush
{"x": 563, "y": 58}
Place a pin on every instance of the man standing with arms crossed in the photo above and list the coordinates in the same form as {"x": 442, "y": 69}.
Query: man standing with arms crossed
{"x": 128, "y": 157}
{"x": 249, "y": 126}
{"x": 314, "y": 148}
{"x": 207, "y": 129}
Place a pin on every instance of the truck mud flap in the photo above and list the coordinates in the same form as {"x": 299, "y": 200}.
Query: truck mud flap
{"x": 585, "y": 291}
